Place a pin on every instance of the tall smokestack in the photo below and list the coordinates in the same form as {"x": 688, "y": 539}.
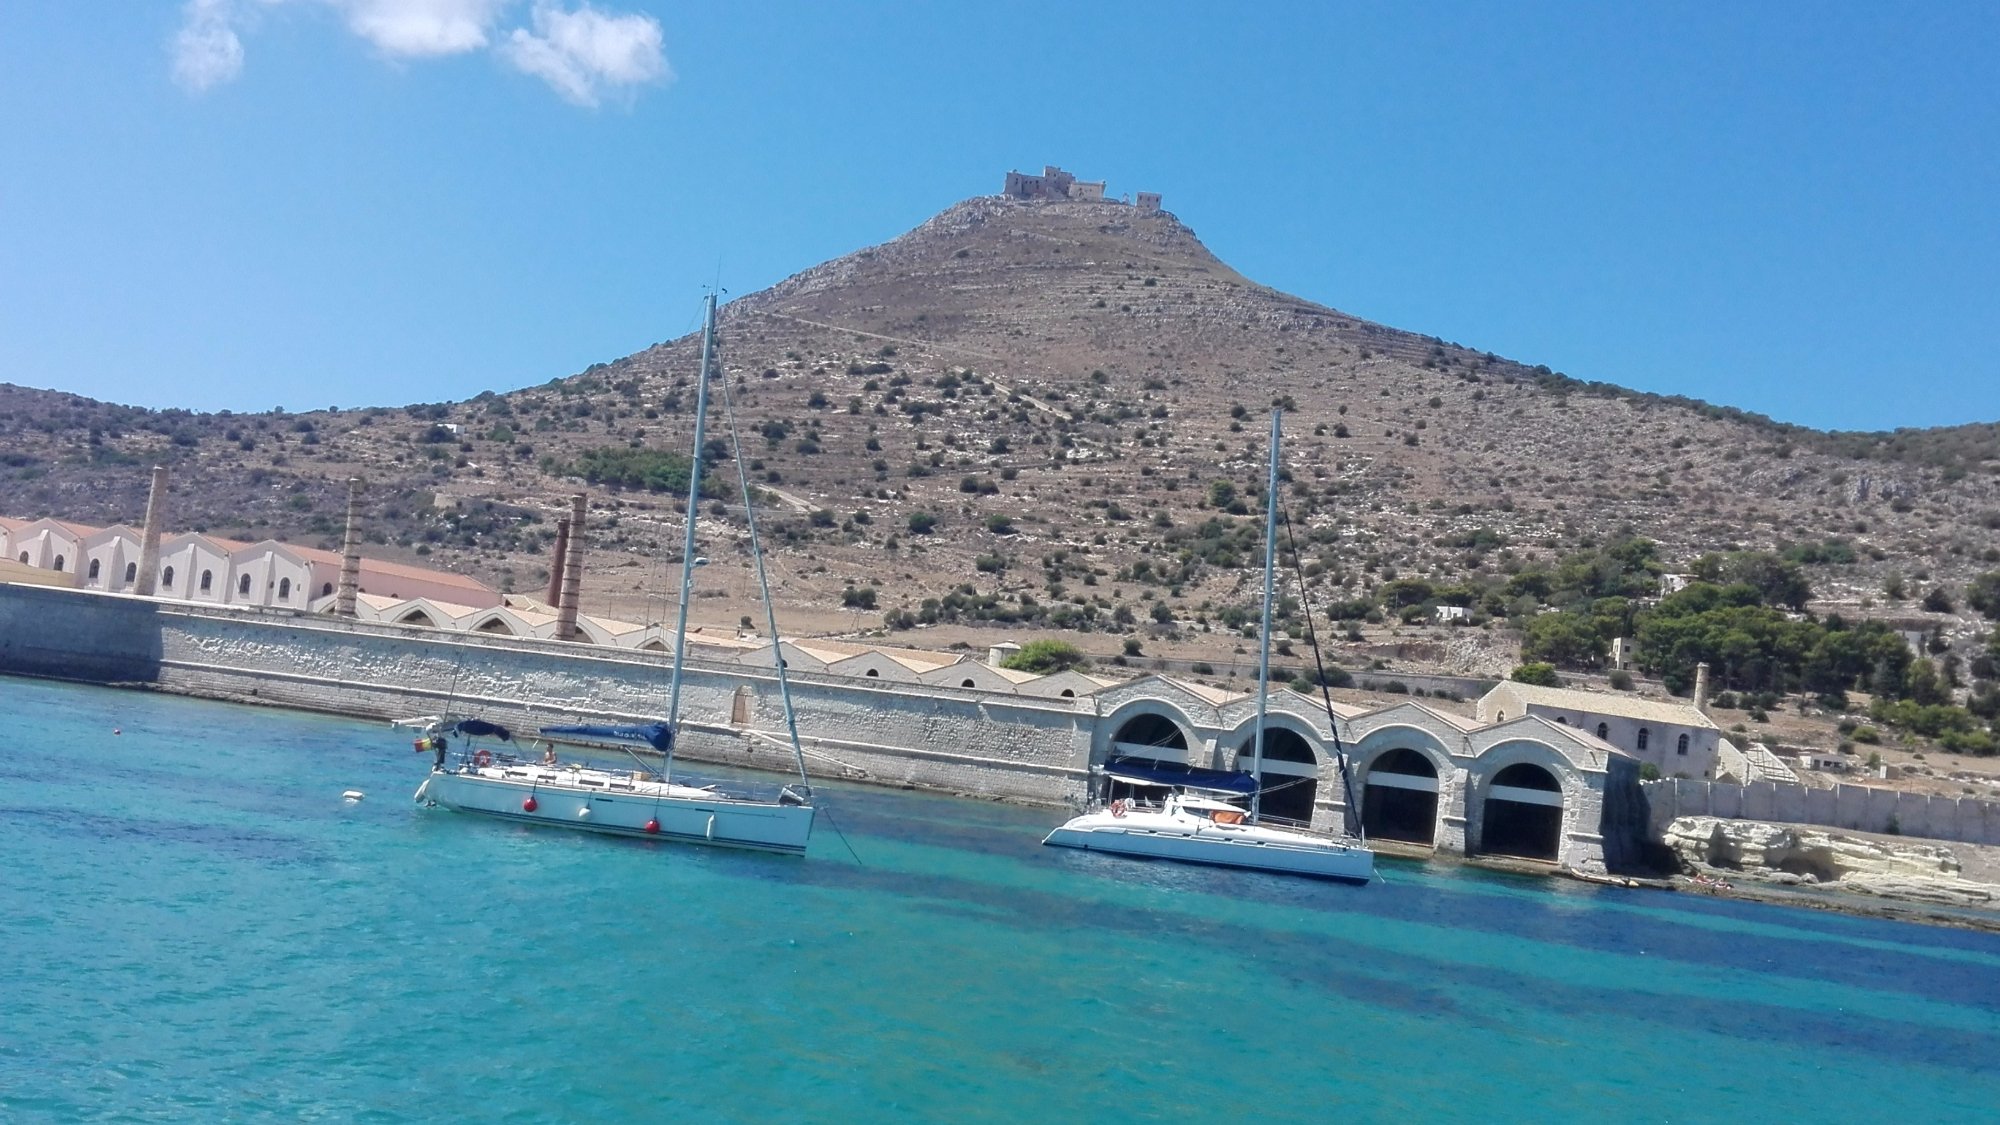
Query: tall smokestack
{"x": 350, "y": 553}
{"x": 572, "y": 583}
{"x": 149, "y": 547}
{"x": 556, "y": 564}
{"x": 1701, "y": 688}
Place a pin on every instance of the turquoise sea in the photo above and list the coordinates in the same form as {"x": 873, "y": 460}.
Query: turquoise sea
{"x": 198, "y": 928}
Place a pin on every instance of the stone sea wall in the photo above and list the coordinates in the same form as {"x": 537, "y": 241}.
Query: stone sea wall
{"x": 1857, "y": 808}
{"x": 954, "y": 740}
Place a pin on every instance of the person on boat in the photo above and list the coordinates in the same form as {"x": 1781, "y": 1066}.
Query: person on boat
{"x": 438, "y": 745}
{"x": 548, "y": 753}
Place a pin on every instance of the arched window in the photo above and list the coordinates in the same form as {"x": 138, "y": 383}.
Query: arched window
{"x": 1604, "y": 730}
{"x": 131, "y": 572}
{"x": 95, "y": 566}
{"x": 59, "y": 562}
{"x": 325, "y": 588}
{"x": 968, "y": 683}
{"x": 284, "y": 589}
{"x": 1682, "y": 748}
{"x": 873, "y": 672}
{"x": 207, "y": 580}
{"x": 1643, "y": 735}
{"x": 1068, "y": 694}
{"x": 243, "y": 586}
{"x": 1501, "y": 717}
{"x": 1561, "y": 721}
{"x": 167, "y": 578}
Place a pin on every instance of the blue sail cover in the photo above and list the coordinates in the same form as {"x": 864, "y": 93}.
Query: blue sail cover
{"x": 1179, "y": 776}
{"x": 659, "y": 736}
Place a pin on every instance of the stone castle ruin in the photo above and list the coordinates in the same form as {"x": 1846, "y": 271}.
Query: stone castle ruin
{"x": 1054, "y": 183}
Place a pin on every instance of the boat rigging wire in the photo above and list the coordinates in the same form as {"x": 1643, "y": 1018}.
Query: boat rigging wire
{"x": 1325, "y": 692}
{"x": 763, "y": 585}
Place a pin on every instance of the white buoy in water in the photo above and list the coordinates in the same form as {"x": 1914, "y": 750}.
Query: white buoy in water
{"x": 583, "y": 813}
{"x": 352, "y": 795}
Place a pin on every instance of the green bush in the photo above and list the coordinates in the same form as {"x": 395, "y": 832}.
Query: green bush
{"x": 1540, "y": 674}
{"x": 1045, "y": 656}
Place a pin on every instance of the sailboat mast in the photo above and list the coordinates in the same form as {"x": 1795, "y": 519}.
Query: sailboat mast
{"x": 687, "y": 544}
{"x": 1264, "y": 647}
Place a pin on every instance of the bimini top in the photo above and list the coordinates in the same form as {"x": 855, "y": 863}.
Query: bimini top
{"x": 480, "y": 728}
{"x": 660, "y": 736}
{"x": 1170, "y": 775}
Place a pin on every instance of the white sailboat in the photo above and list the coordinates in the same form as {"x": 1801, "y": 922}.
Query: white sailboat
{"x": 492, "y": 780}
{"x": 1139, "y": 808}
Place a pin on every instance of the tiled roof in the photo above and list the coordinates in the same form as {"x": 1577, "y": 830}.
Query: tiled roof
{"x": 1599, "y": 703}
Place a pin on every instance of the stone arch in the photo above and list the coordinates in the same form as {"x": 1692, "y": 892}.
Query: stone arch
{"x": 1289, "y": 779}
{"x": 1144, "y": 728}
{"x": 1399, "y": 797}
{"x": 1521, "y": 812}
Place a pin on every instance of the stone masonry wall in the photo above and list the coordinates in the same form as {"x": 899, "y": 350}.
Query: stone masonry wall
{"x": 1858, "y": 808}
{"x": 954, "y": 740}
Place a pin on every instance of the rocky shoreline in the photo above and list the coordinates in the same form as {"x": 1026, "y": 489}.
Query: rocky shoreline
{"x": 1824, "y": 869}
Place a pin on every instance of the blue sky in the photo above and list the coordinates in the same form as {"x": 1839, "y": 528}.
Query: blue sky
{"x": 302, "y": 203}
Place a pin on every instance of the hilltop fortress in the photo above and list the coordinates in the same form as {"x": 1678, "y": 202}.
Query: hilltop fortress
{"x": 1054, "y": 183}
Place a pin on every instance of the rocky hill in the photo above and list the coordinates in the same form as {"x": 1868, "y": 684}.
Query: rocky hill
{"x": 1051, "y": 413}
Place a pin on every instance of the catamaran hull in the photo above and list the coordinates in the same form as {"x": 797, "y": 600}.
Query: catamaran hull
{"x": 1218, "y": 847}
{"x": 761, "y": 826}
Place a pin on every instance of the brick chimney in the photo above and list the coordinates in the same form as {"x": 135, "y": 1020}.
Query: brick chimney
{"x": 556, "y": 563}
{"x": 147, "y": 580}
{"x": 350, "y": 553}
{"x": 572, "y": 581}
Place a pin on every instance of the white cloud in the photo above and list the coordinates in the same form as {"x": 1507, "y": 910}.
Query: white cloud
{"x": 422, "y": 28}
{"x": 583, "y": 53}
{"x": 206, "y": 50}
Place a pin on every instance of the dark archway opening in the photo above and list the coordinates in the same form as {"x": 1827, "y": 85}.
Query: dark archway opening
{"x": 1400, "y": 798}
{"x": 1148, "y": 738}
{"x": 1523, "y": 814}
{"x": 1290, "y": 778}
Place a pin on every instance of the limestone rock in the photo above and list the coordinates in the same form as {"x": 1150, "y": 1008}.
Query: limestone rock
{"x": 1795, "y": 854}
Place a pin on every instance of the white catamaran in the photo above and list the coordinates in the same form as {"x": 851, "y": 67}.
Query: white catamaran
{"x": 1140, "y": 807}
{"x": 642, "y": 801}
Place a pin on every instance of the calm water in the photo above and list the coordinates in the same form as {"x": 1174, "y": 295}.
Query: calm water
{"x": 198, "y": 928}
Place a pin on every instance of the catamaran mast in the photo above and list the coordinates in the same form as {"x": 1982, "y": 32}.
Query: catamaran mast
{"x": 1264, "y": 648}
{"x": 687, "y": 544}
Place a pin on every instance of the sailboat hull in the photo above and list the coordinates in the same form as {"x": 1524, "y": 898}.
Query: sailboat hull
{"x": 1194, "y": 840}
{"x": 599, "y": 801}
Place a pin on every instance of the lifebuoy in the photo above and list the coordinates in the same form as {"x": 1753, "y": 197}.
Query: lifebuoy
{"x": 1118, "y": 808}
{"x": 482, "y": 758}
